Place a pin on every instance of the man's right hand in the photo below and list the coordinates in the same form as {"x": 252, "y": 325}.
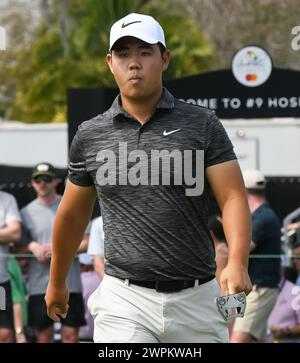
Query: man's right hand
{"x": 235, "y": 278}
{"x": 56, "y": 299}
{"x": 41, "y": 252}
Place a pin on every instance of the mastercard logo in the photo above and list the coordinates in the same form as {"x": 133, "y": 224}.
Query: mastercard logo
{"x": 251, "y": 77}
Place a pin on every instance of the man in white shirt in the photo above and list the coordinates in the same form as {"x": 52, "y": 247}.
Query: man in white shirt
{"x": 10, "y": 231}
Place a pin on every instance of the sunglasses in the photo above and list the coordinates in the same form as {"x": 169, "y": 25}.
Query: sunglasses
{"x": 43, "y": 178}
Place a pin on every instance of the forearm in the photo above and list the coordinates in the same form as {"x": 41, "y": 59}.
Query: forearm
{"x": 9, "y": 234}
{"x": 294, "y": 225}
{"x": 68, "y": 231}
{"x": 32, "y": 245}
{"x": 237, "y": 226}
{"x": 83, "y": 244}
{"x": 228, "y": 187}
{"x": 99, "y": 265}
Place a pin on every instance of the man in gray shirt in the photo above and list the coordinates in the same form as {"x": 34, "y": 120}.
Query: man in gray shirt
{"x": 10, "y": 231}
{"x": 38, "y": 217}
{"x": 152, "y": 160}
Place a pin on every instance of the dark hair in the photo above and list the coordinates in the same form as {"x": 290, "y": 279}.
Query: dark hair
{"x": 291, "y": 274}
{"x": 216, "y": 227}
{"x": 161, "y": 48}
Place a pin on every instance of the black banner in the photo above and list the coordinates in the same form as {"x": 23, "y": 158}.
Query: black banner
{"x": 145, "y": 352}
{"x": 279, "y": 96}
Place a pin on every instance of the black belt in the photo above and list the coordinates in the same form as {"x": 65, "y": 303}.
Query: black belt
{"x": 169, "y": 286}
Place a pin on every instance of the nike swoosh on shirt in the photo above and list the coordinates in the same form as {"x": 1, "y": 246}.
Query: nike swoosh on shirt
{"x": 165, "y": 133}
{"x": 133, "y": 22}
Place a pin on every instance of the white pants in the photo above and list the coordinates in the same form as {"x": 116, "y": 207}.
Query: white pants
{"x": 129, "y": 313}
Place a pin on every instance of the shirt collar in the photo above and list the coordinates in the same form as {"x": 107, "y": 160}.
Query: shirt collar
{"x": 166, "y": 102}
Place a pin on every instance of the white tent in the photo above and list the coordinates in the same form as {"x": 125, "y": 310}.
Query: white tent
{"x": 28, "y": 144}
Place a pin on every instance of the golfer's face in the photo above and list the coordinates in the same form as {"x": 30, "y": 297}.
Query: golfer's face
{"x": 137, "y": 67}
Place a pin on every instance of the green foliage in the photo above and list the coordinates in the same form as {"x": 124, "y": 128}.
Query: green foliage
{"x": 191, "y": 52}
{"x": 44, "y": 69}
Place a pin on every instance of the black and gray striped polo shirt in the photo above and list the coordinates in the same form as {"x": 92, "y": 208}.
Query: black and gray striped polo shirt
{"x": 155, "y": 219}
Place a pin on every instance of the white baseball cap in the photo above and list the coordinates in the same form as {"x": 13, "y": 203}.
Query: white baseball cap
{"x": 140, "y": 26}
{"x": 254, "y": 179}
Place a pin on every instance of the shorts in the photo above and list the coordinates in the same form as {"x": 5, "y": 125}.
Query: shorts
{"x": 6, "y": 316}
{"x": 127, "y": 313}
{"x": 260, "y": 303}
{"x": 38, "y": 318}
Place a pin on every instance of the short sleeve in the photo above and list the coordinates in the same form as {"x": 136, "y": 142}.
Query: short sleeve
{"x": 77, "y": 170}
{"x": 96, "y": 241}
{"x": 219, "y": 148}
{"x": 12, "y": 210}
{"x": 88, "y": 228}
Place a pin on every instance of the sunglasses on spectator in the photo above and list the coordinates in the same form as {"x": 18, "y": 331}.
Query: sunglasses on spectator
{"x": 44, "y": 178}
{"x": 296, "y": 257}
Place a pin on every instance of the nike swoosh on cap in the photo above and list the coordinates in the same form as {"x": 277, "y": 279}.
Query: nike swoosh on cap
{"x": 165, "y": 133}
{"x": 133, "y": 22}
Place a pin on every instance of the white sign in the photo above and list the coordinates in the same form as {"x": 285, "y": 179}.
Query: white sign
{"x": 251, "y": 66}
{"x": 246, "y": 152}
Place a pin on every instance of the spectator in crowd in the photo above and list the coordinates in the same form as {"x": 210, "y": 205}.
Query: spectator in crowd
{"x": 96, "y": 245}
{"x": 290, "y": 237}
{"x": 215, "y": 227}
{"x": 90, "y": 281}
{"x": 264, "y": 272}
{"x": 284, "y": 321}
{"x": 10, "y": 231}
{"x": 294, "y": 226}
{"x": 38, "y": 217}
